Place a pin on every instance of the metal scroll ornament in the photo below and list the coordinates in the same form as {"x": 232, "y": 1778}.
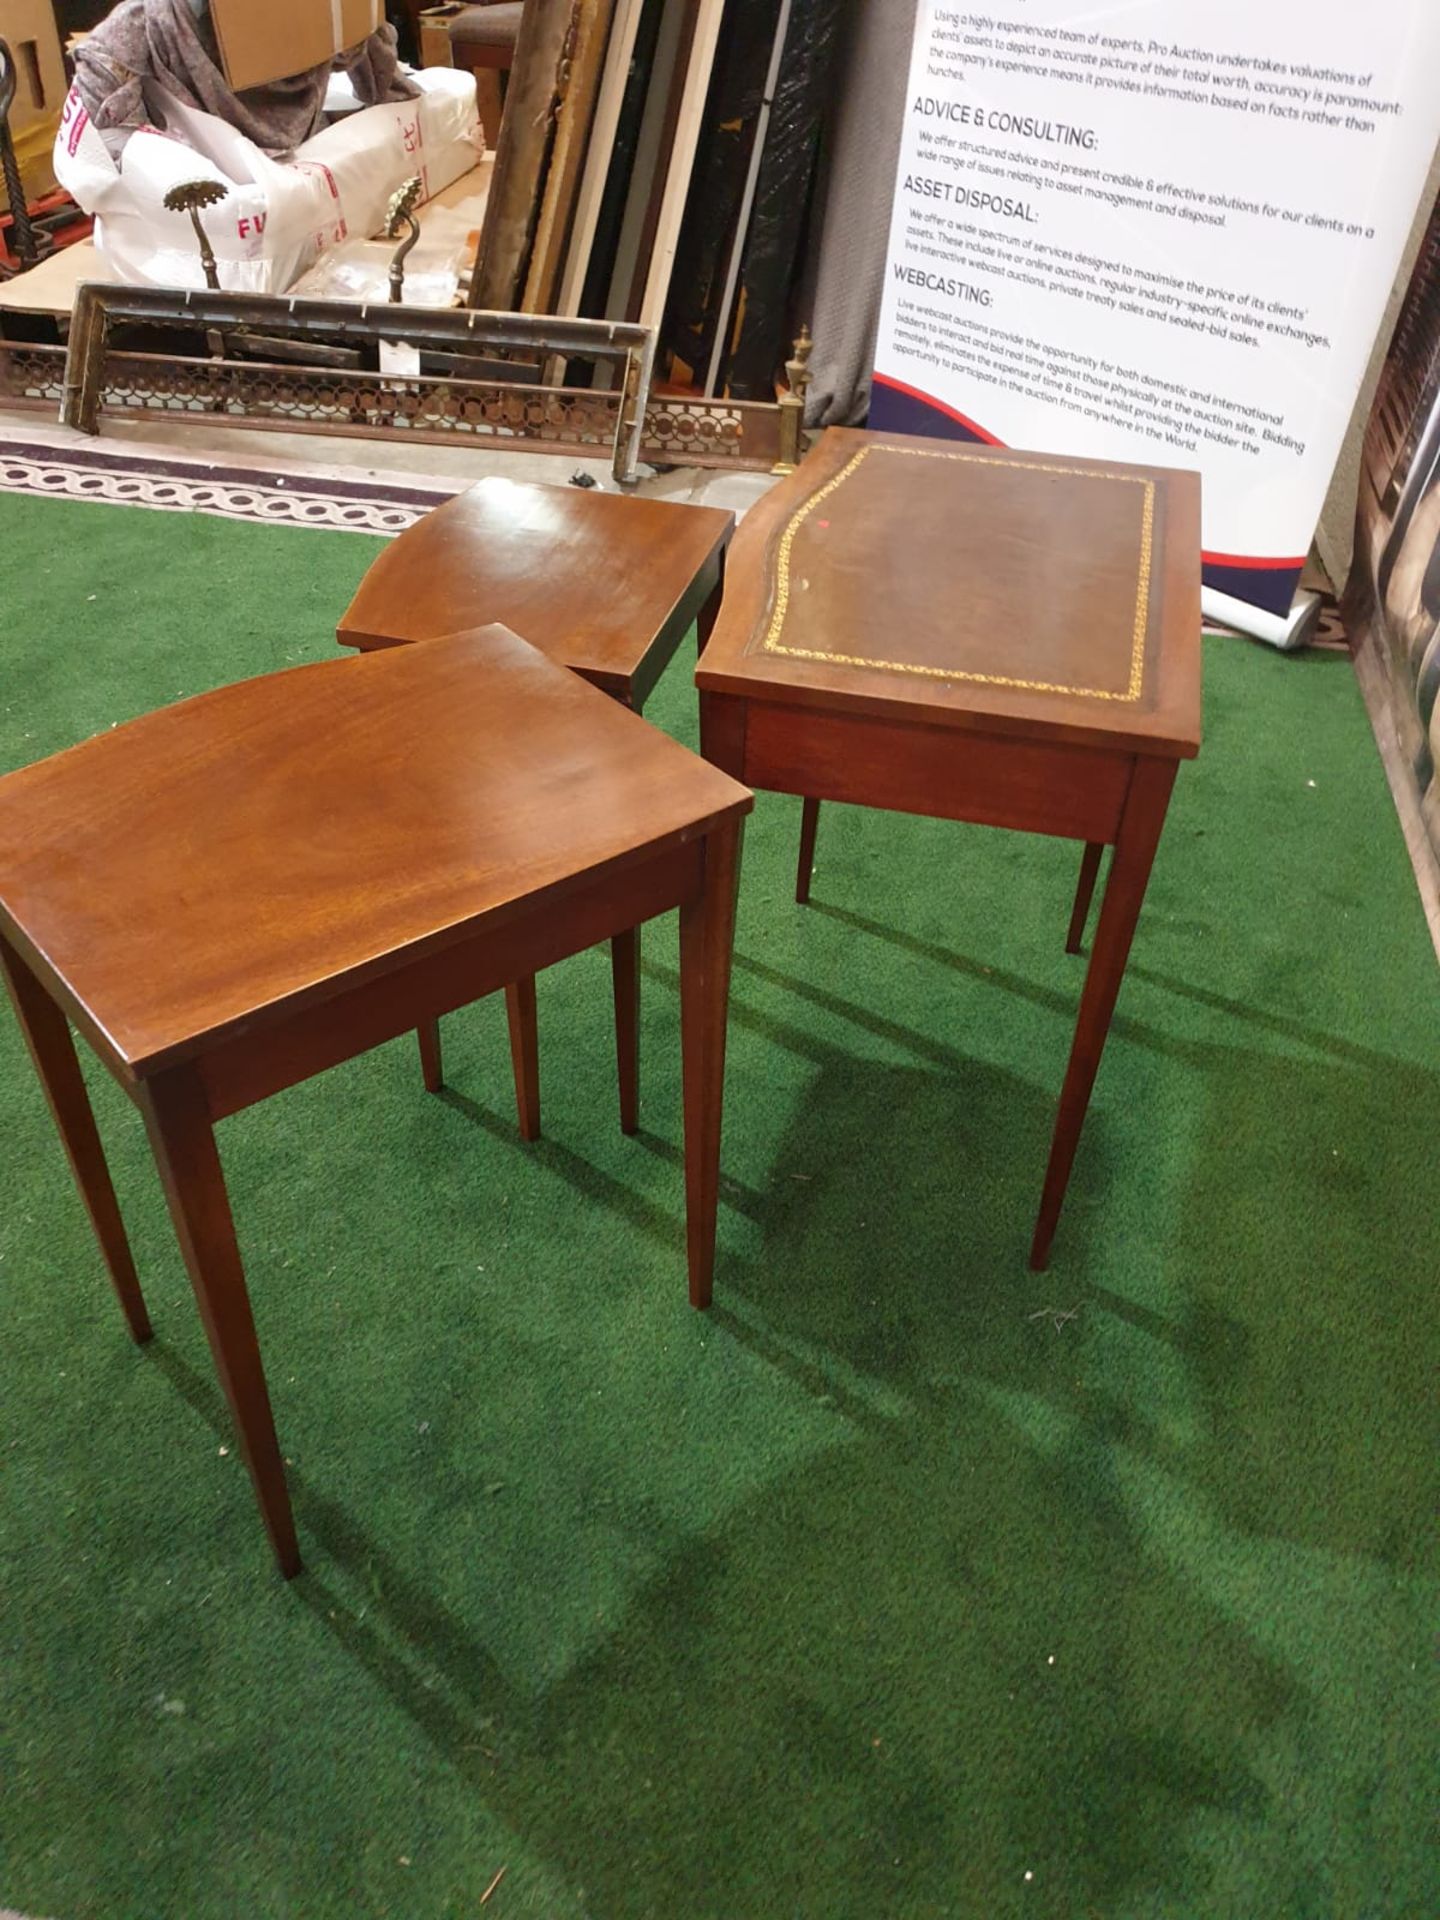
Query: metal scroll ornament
{"x": 192, "y": 197}
{"x": 400, "y": 219}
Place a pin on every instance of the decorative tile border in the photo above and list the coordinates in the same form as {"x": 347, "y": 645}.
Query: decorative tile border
{"x": 229, "y": 493}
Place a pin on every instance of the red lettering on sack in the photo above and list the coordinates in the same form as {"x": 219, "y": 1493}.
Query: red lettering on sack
{"x": 73, "y": 122}
{"x": 319, "y": 166}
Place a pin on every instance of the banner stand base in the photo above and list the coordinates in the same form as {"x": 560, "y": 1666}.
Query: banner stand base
{"x": 1289, "y": 633}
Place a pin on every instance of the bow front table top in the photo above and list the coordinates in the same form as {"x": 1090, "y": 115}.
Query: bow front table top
{"x": 962, "y": 631}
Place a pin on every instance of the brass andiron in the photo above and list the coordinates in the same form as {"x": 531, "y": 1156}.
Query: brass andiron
{"x": 189, "y": 197}
{"x": 792, "y": 404}
{"x": 401, "y": 218}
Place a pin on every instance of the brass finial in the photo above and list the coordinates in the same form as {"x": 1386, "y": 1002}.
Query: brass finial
{"x": 798, "y": 368}
{"x": 189, "y": 197}
{"x": 792, "y": 403}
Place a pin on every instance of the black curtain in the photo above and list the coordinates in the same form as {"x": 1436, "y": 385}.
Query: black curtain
{"x": 784, "y": 195}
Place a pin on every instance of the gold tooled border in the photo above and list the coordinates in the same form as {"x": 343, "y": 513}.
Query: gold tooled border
{"x": 771, "y": 643}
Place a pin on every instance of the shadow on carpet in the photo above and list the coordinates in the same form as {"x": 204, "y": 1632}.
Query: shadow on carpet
{"x": 906, "y": 1582}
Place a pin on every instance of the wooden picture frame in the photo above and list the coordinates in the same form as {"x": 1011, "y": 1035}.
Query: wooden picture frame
{"x": 522, "y": 155}
{"x": 575, "y": 113}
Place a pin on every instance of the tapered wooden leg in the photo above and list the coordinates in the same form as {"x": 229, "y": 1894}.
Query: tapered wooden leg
{"x": 432, "y": 1060}
{"x": 809, "y": 823}
{"x": 1084, "y": 894}
{"x": 707, "y": 936}
{"x": 489, "y": 104}
{"x": 47, "y": 1035}
{"x": 178, "y": 1121}
{"x": 525, "y": 1055}
{"x": 1140, "y": 828}
{"x": 625, "y": 967}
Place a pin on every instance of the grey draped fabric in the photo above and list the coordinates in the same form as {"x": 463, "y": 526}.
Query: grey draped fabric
{"x": 167, "y": 42}
{"x": 847, "y": 271}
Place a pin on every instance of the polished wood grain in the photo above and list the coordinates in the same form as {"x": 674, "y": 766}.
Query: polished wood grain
{"x": 1006, "y": 638}
{"x": 625, "y": 974}
{"x": 241, "y": 891}
{"x": 432, "y": 1057}
{"x": 606, "y": 584}
{"x": 442, "y": 981}
{"x": 509, "y": 778}
{"x": 47, "y": 1036}
{"x": 707, "y": 931}
{"x": 1084, "y": 894}
{"x": 524, "y": 1054}
{"x": 829, "y": 754}
{"x": 1135, "y": 846}
{"x": 183, "y": 1141}
{"x": 809, "y": 829}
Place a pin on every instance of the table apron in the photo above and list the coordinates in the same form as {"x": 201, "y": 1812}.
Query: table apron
{"x": 249, "y": 1066}
{"x": 1074, "y": 792}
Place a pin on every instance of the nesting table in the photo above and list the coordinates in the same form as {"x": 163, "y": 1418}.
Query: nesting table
{"x": 1006, "y": 638}
{"x": 607, "y": 585}
{"x": 233, "y": 894}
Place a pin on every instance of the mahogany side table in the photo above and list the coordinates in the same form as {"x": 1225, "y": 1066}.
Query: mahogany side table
{"x": 1006, "y": 638}
{"x": 235, "y": 893}
{"x": 608, "y": 585}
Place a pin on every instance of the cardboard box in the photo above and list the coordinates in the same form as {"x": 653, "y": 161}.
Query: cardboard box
{"x": 265, "y": 40}
{"x": 28, "y": 27}
{"x": 435, "y": 34}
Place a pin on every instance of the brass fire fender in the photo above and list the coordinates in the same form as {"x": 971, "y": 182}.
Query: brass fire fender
{"x": 332, "y": 329}
{"x": 484, "y": 409}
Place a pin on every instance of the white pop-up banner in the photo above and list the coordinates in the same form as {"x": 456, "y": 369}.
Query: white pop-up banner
{"x": 1162, "y": 231}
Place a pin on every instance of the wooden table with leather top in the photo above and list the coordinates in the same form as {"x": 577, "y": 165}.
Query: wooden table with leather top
{"x": 233, "y": 894}
{"x": 973, "y": 634}
{"x": 606, "y": 584}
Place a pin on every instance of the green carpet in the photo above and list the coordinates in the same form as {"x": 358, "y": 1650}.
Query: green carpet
{"x": 874, "y": 1593}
